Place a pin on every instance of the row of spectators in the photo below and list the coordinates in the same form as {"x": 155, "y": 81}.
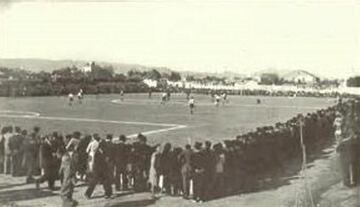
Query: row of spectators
{"x": 265, "y": 92}
{"x": 201, "y": 172}
{"x": 348, "y": 143}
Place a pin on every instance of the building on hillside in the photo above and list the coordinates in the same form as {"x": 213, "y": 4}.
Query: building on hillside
{"x": 88, "y": 67}
{"x": 300, "y": 77}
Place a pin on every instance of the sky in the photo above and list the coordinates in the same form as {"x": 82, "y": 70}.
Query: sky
{"x": 320, "y": 36}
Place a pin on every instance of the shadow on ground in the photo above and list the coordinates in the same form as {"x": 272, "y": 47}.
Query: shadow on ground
{"x": 8, "y": 185}
{"x": 137, "y": 203}
{"x": 24, "y": 194}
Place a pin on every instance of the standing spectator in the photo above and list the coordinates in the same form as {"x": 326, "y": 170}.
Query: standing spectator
{"x": 2, "y": 150}
{"x": 154, "y": 170}
{"x": 15, "y": 145}
{"x": 219, "y": 177}
{"x": 91, "y": 151}
{"x": 48, "y": 163}
{"x": 29, "y": 148}
{"x": 67, "y": 172}
{"x": 199, "y": 169}
{"x": 131, "y": 165}
{"x": 8, "y": 134}
{"x": 100, "y": 172}
{"x": 83, "y": 156}
{"x": 185, "y": 158}
{"x": 166, "y": 167}
{"x": 347, "y": 151}
{"x": 72, "y": 146}
{"x": 338, "y": 125}
{"x": 356, "y": 155}
{"x": 175, "y": 173}
{"x": 110, "y": 153}
{"x": 209, "y": 158}
{"x": 36, "y": 136}
{"x": 121, "y": 162}
{"x": 142, "y": 154}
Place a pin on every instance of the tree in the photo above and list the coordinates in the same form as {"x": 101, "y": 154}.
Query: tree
{"x": 134, "y": 75}
{"x": 99, "y": 73}
{"x": 189, "y": 78}
{"x": 153, "y": 74}
{"x": 120, "y": 78}
{"x": 63, "y": 75}
{"x": 269, "y": 79}
{"x": 353, "y": 81}
{"x": 44, "y": 76}
{"x": 174, "y": 76}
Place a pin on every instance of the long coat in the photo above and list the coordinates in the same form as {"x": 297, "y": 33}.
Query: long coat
{"x": 29, "y": 148}
{"x": 154, "y": 169}
{"x": 47, "y": 159}
{"x": 67, "y": 170}
{"x": 185, "y": 158}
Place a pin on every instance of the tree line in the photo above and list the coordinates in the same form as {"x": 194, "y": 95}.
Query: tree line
{"x": 101, "y": 79}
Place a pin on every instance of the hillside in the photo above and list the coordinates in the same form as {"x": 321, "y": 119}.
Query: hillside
{"x": 37, "y": 65}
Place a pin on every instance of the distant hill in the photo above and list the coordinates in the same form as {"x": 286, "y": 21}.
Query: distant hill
{"x": 286, "y": 73}
{"x": 295, "y": 73}
{"x": 37, "y": 65}
{"x": 280, "y": 73}
{"x": 225, "y": 74}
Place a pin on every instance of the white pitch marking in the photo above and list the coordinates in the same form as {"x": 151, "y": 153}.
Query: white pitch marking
{"x": 158, "y": 131}
{"x": 170, "y": 127}
{"x": 88, "y": 120}
{"x": 25, "y": 113}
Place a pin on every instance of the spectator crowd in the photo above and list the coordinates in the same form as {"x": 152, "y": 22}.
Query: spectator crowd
{"x": 199, "y": 171}
{"x": 347, "y": 135}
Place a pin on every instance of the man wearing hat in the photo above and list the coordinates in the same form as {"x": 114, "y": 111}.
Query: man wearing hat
{"x": 347, "y": 153}
{"x": 209, "y": 164}
{"x": 199, "y": 165}
{"x": 121, "y": 160}
{"x": 110, "y": 154}
{"x": 36, "y": 136}
{"x": 185, "y": 158}
{"x": 83, "y": 156}
{"x": 142, "y": 155}
{"x": 100, "y": 171}
{"x": 48, "y": 164}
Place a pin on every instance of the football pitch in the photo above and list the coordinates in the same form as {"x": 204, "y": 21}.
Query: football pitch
{"x": 171, "y": 122}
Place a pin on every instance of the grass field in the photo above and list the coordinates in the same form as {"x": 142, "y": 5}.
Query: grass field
{"x": 171, "y": 122}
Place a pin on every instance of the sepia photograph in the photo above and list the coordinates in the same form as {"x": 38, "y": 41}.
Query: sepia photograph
{"x": 180, "y": 103}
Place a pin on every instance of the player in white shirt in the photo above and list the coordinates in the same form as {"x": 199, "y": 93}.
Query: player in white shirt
{"x": 71, "y": 99}
{"x": 163, "y": 98}
{"x": 224, "y": 96}
{"x": 191, "y": 104}
{"x": 80, "y": 96}
{"x": 217, "y": 100}
{"x": 122, "y": 95}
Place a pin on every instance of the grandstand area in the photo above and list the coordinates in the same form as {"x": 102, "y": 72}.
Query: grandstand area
{"x": 171, "y": 122}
